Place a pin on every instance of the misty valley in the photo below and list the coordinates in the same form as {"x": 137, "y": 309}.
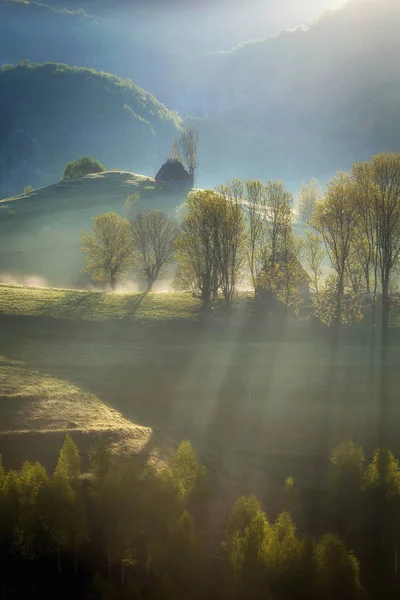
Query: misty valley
{"x": 199, "y": 300}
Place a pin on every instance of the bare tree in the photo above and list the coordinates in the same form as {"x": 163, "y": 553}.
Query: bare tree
{"x": 310, "y": 194}
{"x": 188, "y": 145}
{"x": 154, "y": 235}
{"x": 175, "y": 151}
{"x": 108, "y": 249}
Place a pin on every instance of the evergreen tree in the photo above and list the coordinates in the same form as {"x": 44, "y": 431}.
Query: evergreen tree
{"x": 100, "y": 459}
{"x": 29, "y": 534}
{"x": 247, "y": 535}
{"x": 69, "y": 462}
{"x": 346, "y": 481}
{"x": 187, "y": 473}
{"x": 338, "y": 570}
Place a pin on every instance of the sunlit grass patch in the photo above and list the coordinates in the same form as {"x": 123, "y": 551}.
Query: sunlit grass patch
{"x": 97, "y": 306}
{"x": 34, "y": 402}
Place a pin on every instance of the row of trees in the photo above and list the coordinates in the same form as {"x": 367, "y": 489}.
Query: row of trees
{"x": 129, "y": 530}
{"x": 237, "y": 229}
{"x": 359, "y": 222}
{"x": 242, "y": 232}
{"x": 116, "y": 246}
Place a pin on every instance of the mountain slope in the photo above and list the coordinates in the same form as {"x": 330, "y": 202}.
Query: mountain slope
{"x": 52, "y": 113}
{"x": 305, "y": 103}
{"x": 310, "y": 101}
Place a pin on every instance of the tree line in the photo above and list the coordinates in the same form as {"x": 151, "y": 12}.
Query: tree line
{"x": 243, "y": 233}
{"x": 127, "y": 529}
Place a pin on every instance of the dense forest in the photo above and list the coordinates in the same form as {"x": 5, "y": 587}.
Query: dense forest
{"x": 51, "y": 112}
{"x": 129, "y": 530}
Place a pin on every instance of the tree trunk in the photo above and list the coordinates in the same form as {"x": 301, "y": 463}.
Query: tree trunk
{"x": 113, "y": 282}
{"x": 228, "y": 305}
{"x": 59, "y": 564}
{"x": 385, "y": 304}
{"x": 206, "y": 300}
{"x": 150, "y": 283}
{"x": 339, "y": 296}
{"x": 367, "y": 279}
{"x": 109, "y": 559}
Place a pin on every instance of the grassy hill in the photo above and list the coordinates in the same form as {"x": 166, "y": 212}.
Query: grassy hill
{"x": 51, "y": 114}
{"x": 98, "y": 306}
{"x": 40, "y": 231}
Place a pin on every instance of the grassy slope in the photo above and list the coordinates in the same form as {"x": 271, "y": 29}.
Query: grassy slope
{"x": 41, "y": 234}
{"x": 97, "y": 306}
{"x": 37, "y": 410}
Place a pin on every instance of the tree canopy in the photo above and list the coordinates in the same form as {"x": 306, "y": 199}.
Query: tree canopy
{"x": 81, "y": 167}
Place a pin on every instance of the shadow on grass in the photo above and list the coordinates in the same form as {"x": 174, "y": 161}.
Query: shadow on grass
{"x": 93, "y": 306}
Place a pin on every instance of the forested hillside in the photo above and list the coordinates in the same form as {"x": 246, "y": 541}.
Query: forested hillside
{"x": 51, "y": 114}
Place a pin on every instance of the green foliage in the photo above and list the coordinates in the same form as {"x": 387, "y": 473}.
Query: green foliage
{"x": 154, "y": 236}
{"x": 69, "y": 462}
{"x": 2, "y": 473}
{"x": 100, "y": 459}
{"x": 187, "y": 473}
{"x": 338, "y": 569}
{"x": 109, "y": 250}
{"x": 347, "y": 461}
{"x": 31, "y": 481}
{"x": 81, "y": 167}
{"x": 134, "y": 519}
{"x": 197, "y": 247}
{"x": 211, "y": 246}
{"x": 28, "y": 189}
{"x": 130, "y": 205}
{"x": 383, "y": 473}
{"x": 325, "y": 303}
{"x": 247, "y": 531}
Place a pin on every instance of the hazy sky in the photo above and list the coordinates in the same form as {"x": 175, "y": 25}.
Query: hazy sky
{"x": 216, "y": 24}
{"x": 261, "y": 18}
